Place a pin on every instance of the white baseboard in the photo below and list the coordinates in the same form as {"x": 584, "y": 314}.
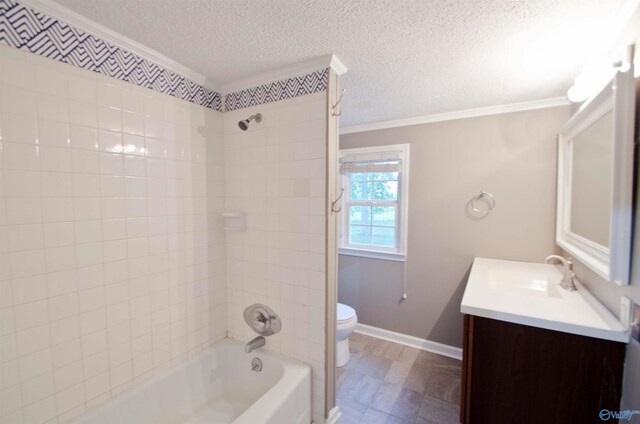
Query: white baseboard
{"x": 411, "y": 341}
{"x": 334, "y": 415}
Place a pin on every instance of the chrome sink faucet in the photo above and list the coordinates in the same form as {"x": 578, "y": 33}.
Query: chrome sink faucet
{"x": 567, "y": 282}
{"x": 254, "y": 344}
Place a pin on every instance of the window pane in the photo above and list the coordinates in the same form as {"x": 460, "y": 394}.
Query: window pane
{"x": 359, "y": 234}
{"x": 360, "y": 215}
{"x": 360, "y": 176}
{"x": 384, "y": 215}
{"x": 378, "y": 176}
{"x": 385, "y": 190}
{"x": 361, "y": 190}
{"x": 383, "y": 236}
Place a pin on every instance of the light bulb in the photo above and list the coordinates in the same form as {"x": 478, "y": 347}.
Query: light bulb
{"x": 577, "y": 93}
{"x": 587, "y": 84}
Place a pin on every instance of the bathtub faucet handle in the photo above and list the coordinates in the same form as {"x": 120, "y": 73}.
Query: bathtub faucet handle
{"x": 261, "y": 318}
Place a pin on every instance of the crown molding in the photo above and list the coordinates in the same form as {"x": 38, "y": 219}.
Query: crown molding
{"x": 461, "y": 114}
{"x": 285, "y": 72}
{"x": 72, "y": 18}
{"x": 336, "y": 64}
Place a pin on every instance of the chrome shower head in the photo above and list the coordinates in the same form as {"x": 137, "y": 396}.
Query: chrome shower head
{"x": 244, "y": 124}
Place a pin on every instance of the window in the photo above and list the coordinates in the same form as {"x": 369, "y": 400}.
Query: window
{"x": 374, "y": 219}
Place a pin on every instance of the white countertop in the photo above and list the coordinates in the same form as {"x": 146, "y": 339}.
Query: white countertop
{"x": 530, "y": 294}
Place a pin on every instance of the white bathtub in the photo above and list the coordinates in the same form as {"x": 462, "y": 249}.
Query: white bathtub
{"x": 216, "y": 387}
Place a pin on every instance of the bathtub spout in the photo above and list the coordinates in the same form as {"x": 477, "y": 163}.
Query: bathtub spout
{"x": 254, "y": 344}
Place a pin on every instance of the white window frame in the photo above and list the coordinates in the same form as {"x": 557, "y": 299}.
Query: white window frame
{"x": 402, "y": 214}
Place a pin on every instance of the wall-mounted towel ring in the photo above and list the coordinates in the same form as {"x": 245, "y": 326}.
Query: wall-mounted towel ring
{"x": 491, "y": 200}
{"x": 333, "y": 204}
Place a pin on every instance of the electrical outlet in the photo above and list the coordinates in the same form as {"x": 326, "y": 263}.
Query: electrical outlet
{"x": 625, "y": 311}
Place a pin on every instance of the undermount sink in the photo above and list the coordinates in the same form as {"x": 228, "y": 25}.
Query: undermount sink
{"x": 535, "y": 283}
{"x": 530, "y": 294}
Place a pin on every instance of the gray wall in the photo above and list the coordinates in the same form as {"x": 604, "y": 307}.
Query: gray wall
{"x": 513, "y": 156}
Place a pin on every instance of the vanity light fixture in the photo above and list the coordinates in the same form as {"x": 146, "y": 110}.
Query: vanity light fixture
{"x": 597, "y": 74}
{"x": 590, "y": 81}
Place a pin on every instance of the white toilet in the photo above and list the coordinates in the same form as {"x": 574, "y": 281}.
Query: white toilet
{"x": 347, "y": 320}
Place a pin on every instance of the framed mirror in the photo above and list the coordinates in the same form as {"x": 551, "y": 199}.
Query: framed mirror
{"x": 595, "y": 180}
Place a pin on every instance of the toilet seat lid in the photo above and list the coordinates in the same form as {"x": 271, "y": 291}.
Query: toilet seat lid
{"x": 345, "y": 312}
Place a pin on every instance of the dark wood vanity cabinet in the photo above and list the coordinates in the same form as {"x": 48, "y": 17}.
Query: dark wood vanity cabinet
{"x": 515, "y": 373}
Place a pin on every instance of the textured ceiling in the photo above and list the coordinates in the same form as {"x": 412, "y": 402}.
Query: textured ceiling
{"x": 406, "y": 58}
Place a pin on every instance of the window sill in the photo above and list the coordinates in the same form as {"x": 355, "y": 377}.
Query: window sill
{"x": 373, "y": 254}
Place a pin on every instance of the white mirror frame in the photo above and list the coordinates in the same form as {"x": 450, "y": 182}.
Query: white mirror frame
{"x": 613, "y": 262}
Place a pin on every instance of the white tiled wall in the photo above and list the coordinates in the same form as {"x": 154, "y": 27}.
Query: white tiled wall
{"x": 109, "y": 269}
{"x": 112, "y": 253}
{"x": 275, "y": 172}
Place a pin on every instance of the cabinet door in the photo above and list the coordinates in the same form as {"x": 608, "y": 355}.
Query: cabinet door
{"x": 521, "y": 374}
{"x": 466, "y": 367}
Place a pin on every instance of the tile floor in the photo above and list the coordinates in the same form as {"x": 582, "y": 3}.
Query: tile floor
{"x": 388, "y": 383}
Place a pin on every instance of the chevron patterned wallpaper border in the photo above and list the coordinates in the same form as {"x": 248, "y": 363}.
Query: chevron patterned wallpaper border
{"x": 28, "y": 29}
{"x": 314, "y": 82}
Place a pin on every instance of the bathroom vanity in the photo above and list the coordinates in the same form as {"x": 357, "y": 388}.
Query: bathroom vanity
{"x": 534, "y": 352}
